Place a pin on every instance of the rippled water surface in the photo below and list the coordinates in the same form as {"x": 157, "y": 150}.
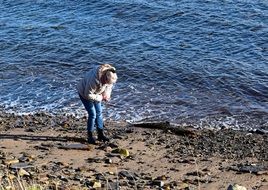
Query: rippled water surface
{"x": 199, "y": 62}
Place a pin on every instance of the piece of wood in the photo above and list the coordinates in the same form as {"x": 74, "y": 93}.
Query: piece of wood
{"x": 153, "y": 125}
{"x": 167, "y": 127}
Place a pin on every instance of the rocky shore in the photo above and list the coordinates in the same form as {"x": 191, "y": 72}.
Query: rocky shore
{"x": 51, "y": 151}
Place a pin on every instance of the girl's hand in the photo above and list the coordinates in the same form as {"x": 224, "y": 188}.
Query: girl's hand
{"x": 106, "y": 98}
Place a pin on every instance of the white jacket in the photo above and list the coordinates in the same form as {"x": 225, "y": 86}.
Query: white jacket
{"x": 91, "y": 88}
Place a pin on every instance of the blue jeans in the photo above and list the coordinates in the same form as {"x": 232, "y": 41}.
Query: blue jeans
{"x": 94, "y": 110}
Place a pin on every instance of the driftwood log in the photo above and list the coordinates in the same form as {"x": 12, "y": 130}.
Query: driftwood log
{"x": 166, "y": 126}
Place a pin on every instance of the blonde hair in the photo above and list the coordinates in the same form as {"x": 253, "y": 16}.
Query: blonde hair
{"x": 111, "y": 76}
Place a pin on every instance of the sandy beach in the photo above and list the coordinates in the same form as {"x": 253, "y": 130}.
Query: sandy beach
{"x": 52, "y": 151}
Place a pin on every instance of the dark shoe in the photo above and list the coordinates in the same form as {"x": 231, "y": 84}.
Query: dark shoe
{"x": 90, "y": 138}
{"x": 101, "y": 136}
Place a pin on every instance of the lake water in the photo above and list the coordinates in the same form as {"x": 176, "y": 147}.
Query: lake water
{"x": 203, "y": 63}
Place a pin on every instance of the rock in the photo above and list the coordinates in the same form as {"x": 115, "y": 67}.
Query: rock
{"x": 63, "y": 178}
{"x": 158, "y": 183}
{"x": 108, "y": 149}
{"x": 51, "y": 176}
{"x": 110, "y": 172}
{"x": 113, "y": 185}
{"x": 78, "y": 177}
{"x": 161, "y": 178}
{"x": 2, "y": 154}
{"x": 64, "y": 164}
{"x": 129, "y": 130}
{"x": 128, "y": 175}
{"x": 94, "y": 160}
{"x": 236, "y": 187}
{"x": 50, "y": 145}
{"x": 23, "y": 172}
{"x": 96, "y": 184}
{"x": 167, "y": 187}
{"x": 30, "y": 130}
{"x": 121, "y": 151}
{"x": 23, "y": 159}
{"x": 11, "y": 161}
{"x": 186, "y": 161}
{"x": 76, "y": 146}
{"x": 21, "y": 166}
{"x": 131, "y": 183}
{"x": 108, "y": 161}
{"x": 40, "y": 147}
{"x": 81, "y": 169}
{"x": 100, "y": 176}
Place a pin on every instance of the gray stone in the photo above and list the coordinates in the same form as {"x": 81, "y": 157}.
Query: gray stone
{"x": 21, "y": 165}
{"x": 129, "y": 175}
{"x": 236, "y": 187}
{"x": 158, "y": 183}
{"x": 75, "y": 146}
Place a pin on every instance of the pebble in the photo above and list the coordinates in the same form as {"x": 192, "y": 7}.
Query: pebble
{"x": 236, "y": 187}
{"x": 23, "y": 172}
{"x": 12, "y": 161}
{"x": 158, "y": 183}
{"x": 21, "y": 166}
{"x": 76, "y": 146}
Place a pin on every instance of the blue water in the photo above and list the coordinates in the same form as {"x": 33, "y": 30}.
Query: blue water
{"x": 191, "y": 61}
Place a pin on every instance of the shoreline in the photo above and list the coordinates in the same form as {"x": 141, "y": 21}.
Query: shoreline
{"x": 53, "y": 149}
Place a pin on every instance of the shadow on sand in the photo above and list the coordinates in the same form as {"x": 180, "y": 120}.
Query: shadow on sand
{"x": 42, "y": 138}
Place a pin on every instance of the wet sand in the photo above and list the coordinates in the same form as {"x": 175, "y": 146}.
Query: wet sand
{"x": 52, "y": 151}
